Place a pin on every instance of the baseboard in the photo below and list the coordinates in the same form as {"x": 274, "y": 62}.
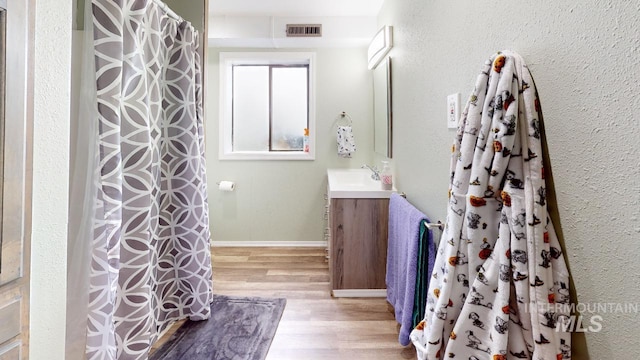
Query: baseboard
{"x": 360, "y": 293}
{"x": 315, "y": 244}
{"x": 169, "y": 327}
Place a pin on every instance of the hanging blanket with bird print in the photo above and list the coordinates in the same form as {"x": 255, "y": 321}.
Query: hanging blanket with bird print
{"x": 500, "y": 284}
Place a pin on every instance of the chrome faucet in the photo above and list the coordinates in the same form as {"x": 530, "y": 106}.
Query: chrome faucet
{"x": 375, "y": 172}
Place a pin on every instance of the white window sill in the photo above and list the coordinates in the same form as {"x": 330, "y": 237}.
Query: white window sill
{"x": 263, "y": 155}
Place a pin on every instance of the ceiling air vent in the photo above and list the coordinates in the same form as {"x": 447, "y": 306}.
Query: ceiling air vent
{"x": 304, "y": 30}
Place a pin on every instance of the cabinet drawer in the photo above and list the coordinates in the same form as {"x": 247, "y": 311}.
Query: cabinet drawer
{"x": 11, "y": 351}
{"x": 10, "y": 320}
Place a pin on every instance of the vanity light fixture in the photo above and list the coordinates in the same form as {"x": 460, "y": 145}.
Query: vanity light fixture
{"x": 380, "y": 45}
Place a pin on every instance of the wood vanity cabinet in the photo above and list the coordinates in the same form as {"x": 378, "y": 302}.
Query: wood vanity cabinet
{"x": 358, "y": 242}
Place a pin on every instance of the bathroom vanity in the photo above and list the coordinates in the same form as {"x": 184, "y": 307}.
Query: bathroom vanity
{"x": 357, "y": 230}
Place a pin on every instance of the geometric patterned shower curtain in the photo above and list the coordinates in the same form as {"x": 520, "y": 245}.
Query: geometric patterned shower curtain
{"x": 150, "y": 253}
{"x": 500, "y": 285}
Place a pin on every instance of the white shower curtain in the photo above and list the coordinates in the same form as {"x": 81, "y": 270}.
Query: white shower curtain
{"x": 500, "y": 284}
{"x": 139, "y": 258}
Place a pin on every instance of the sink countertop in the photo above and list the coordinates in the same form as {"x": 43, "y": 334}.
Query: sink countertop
{"x": 355, "y": 183}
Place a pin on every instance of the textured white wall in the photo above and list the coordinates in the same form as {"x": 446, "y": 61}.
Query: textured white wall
{"x": 585, "y": 59}
{"x": 283, "y": 200}
{"x": 50, "y": 178}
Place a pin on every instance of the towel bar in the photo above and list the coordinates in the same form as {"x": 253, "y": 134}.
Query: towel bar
{"x": 343, "y": 115}
{"x": 438, "y": 225}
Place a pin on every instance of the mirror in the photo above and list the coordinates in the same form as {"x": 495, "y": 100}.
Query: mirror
{"x": 382, "y": 110}
{"x": 3, "y": 47}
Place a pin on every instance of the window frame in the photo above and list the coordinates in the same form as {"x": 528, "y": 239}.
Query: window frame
{"x": 230, "y": 59}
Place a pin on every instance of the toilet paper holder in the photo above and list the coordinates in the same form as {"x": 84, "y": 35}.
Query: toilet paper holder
{"x": 226, "y": 185}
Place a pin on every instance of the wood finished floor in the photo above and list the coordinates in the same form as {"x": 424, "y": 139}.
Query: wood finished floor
{"x": 314, "y": 325}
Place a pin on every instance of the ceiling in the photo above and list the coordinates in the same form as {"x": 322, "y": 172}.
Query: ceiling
{"x": 295, "y": 7}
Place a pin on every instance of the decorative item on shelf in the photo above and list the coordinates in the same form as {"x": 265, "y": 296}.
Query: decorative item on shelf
{"x": 380, "y": 45}
{"x": 305, "y": 140}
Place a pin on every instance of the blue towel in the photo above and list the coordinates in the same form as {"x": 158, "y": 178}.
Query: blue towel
{"x": 402, "y": 258}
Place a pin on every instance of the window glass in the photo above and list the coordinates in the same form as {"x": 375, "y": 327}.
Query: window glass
{"x": 289, "y": 108}
{"x": 267, "y": 100}
{"x": 250, "y": 108}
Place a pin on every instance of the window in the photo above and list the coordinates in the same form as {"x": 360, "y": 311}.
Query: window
{"x": 266, "y": 103}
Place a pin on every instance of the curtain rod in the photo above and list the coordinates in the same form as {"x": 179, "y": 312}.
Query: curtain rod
{"x": 172, "y": 14}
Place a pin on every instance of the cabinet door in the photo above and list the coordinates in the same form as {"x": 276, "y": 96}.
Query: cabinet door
{"x": 359, "y": 243}
{"x": 15, "y": 197}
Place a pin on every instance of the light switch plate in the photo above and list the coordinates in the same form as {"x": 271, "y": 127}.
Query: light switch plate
{"x": 453, "y": 110}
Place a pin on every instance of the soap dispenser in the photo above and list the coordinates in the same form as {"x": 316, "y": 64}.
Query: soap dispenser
{"x": 386, "y": 178}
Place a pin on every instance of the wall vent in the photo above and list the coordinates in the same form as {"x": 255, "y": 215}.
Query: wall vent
{"x": 304, "y": 30}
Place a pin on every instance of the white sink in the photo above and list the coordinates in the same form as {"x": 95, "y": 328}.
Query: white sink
{"x": 355, "y": 183}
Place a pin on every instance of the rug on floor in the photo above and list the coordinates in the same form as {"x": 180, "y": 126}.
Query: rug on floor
{"x": 240, "y": 328}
